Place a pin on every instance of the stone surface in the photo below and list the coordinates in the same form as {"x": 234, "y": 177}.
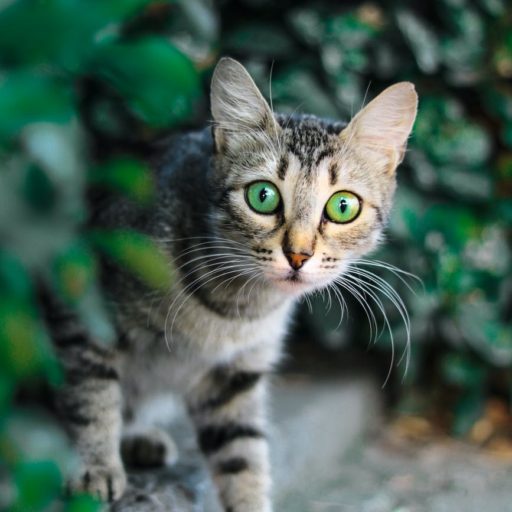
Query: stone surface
{"x": 315, "y": 424}
{"x": 391, "y": 475}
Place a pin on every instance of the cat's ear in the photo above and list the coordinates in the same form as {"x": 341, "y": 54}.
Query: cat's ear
{"x": 239, "y": 110}
{"x": 381, "y": 128}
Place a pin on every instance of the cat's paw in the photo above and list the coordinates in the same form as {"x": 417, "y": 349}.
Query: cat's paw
{"x": 147, "y": 448}
{"x": 107, "y": 483}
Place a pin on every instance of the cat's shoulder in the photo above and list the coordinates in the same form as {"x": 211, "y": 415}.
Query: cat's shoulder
{"x": 182, "y": 152}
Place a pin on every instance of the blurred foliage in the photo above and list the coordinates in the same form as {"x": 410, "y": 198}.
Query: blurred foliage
{"x": 85, "y": 84}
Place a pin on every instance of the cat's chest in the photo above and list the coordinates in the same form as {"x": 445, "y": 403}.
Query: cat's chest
{"x": 156, "y": 370}
{"x": 193, "y": 329}
{"x": 176, "y": 351}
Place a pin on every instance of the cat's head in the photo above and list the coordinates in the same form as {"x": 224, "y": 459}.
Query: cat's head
{"x": 304, "y": 196}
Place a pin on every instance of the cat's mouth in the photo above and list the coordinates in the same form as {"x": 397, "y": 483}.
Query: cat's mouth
{"x": 292, "y": 282}
{"x": 298, "y": 282}
{"x": 294, "y": 277}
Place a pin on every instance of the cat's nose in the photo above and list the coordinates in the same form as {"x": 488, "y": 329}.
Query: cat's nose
{"x": 297, "y": 259}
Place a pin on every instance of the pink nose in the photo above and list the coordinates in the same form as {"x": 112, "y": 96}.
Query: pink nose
{"x": 296, "y": 260}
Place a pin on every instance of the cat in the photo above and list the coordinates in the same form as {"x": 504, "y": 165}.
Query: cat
{"x": 253, "y": 213}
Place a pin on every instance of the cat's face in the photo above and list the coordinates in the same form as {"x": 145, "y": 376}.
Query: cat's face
{"x": 303, "y": 196}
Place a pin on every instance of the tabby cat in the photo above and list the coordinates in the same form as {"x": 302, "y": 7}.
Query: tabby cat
{"x": 253, "y": 214}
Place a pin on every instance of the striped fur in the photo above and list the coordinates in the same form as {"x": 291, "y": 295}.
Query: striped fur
{"x": 216, "y": 335}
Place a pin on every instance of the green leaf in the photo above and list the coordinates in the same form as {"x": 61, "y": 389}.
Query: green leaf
{"x": 38, "y": 190}
{"x": 137, "y": 253}
{"x": 27, "y": 97}
{"x": 348, "y": 89}
{"x": 24, "y": 347}
{"x": 126, "y": 175}
{"x": 38, "y": 483}
{"x": 506, "y": 134}
{"x": 7, "y": 388}
{"x": 494, "y": 7}
{"x": 455, "y": 224}
{"x": 462, "y": 370}
{"x": 62, "y": 31}
{"x": 28, "y": 435}
{"x": 14, "y": 279}
{"x": 114, "y": 10}
{"x": 259, "y": 39}
{"x": 466, "y": 184}
{"x": 467, "y": 411}
{"x": 498, "y": 100}
{"x": 44, "y": 27}
{"x": 95, "y": 317}
{"x": 201, "y": 19}
{"x": 83, "y": 503}
{"x": 307, "y": 24}
{"x": 158, "y": 82}
{"x": 503, "y": 209}
{"x": 349, "y": 31}
{"x": 481, "y": 327}
{"x": 421, "y": 39}
{"x": 74, "y": 272}
{"x": 464, "y": 48}
{"x": 447, "y": 137}
{"x": 297, "y": 86}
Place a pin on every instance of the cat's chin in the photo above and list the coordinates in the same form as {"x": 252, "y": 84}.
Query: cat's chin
{"x": 292, "y": 285}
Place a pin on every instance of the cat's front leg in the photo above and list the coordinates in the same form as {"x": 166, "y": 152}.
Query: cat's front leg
{"x": 228, "y": 411}
{"x": 90, "y": 406}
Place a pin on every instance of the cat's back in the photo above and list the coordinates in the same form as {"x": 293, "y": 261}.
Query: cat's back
{"x": 180, "y": 166}
{"x": 181, "y": 162}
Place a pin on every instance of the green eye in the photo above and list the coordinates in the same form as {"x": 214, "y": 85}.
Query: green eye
{"x": 342, "y": 207}
{"x": 263, "y": 197}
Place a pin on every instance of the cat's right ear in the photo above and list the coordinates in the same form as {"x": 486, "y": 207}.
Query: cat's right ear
{"x": 382, "y": 127}
{"x": 240, "y": 112}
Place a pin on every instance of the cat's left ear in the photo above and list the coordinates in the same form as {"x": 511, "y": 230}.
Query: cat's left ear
{"x": 239, "y": 110}
{"x": 381, "y": 129}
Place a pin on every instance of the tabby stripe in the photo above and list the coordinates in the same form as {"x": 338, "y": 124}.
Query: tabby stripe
{"x": 76, "y": 417}
{"x": 263, "y": 124}
{"x": 66, "y": 340}
{"x": 232, "y": 466}
{"x": 91, "y": 370}
{"x": 213, "y": 438}
{"x": 333, "y": 174}
{"x": 110, "y": 489}
{"x": 233, "y": 386}
{"x": 282, "y": 167}
{"x": 378, "y": 211}
{"x": 79, "y": 340}
{"x": 324, "y": 154}
{"x": 224, "y": 197}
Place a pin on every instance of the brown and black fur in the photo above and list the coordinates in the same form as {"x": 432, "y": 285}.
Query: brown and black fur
{"x": 216, "y": 336}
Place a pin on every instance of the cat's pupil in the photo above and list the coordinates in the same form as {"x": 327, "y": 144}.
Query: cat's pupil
{"x": 263, "y": 195}
{"x": 343, "y": 205}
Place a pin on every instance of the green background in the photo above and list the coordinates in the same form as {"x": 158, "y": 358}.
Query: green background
{"x": 85, "y": 85}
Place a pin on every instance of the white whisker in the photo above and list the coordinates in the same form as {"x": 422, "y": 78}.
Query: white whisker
{"x": 372, "y": 284}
